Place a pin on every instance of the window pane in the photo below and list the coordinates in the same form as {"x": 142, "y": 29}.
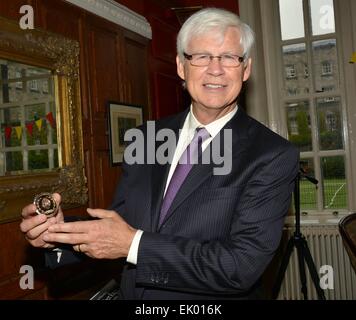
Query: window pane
{"x": 35, "y": 116}
{"x": 326, "y": 71}
{"x": 14, "y": 161}
{"x": 329, "y": 123}
{"x": 299, "y": 131}
{"x": 322, "y": 16}
{"x": 292, "y": 19}
{"x": 308, "y": 194}
{"x": 38, "y": 159}
{"x": 296, "y": 69}
{"x": 334, "y": 182}
{"x": 10, "y": 119}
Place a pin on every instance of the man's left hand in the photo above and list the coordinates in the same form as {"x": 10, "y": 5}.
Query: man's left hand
{"x": 108, "y": 237}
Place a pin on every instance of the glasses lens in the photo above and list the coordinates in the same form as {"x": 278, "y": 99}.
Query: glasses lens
{"x": 225, "y": 60}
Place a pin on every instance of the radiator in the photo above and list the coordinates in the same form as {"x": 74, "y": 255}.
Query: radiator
{"x": 326, "y": 247}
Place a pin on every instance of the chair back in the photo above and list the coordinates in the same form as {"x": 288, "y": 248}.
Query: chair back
{"x": 347, "y": 228}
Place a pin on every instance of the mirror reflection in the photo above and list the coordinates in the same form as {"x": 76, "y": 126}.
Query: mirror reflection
{"x": 28, "y": 140}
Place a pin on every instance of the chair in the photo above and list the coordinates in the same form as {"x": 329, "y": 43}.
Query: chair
{"x": 347, "y": 228}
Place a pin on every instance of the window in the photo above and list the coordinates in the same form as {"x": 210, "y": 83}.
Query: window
{"x": 326, "y": 68}
{"x": 291, "y": 72}
{"x": 317, "y": 129}
{"x": 306, "y": 52}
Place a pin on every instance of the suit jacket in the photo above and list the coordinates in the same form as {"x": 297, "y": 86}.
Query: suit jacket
{"x": 221, "y": 231}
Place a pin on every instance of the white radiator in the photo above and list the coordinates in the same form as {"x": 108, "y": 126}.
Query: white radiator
{"x": 326, "y": 247}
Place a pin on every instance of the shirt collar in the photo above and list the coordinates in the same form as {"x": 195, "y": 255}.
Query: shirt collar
{"x": 213, "y": 127}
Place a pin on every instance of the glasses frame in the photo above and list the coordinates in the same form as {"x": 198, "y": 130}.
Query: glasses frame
{"x": 211, "y": 57}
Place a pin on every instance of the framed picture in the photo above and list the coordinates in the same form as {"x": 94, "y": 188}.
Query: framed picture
{"x": 121, "y": 117}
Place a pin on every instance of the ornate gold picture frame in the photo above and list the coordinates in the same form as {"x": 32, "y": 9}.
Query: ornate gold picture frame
{"x": 61, "y": 56}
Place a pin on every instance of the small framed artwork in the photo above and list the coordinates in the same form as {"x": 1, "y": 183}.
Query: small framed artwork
{"x": 121, "y": 117}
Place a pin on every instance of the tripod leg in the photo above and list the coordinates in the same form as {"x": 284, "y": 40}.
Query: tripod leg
{"x": 313, "y": 271}
{"x": 303, "y": 279}
{"x": 282, "y": 269}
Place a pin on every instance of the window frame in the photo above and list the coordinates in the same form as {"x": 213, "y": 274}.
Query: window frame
{"x": 263, "y": 16}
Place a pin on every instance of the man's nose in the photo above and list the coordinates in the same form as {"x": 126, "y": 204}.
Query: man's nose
{"x": 215, "y": 66}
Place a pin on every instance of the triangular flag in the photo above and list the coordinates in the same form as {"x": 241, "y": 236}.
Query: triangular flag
{"x": 18, "y": 132}
{"x": 353, "y": 58}
{"x": 8, "y": 131}
{"x": 29, "y": 127}
{"x": 50, "y": 119}
{"x": 39, "y": 124}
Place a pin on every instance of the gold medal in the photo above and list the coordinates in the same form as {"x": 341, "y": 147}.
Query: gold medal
{"x": 45, "y": 204}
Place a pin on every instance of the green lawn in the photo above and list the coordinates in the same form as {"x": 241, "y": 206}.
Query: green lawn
{"x": 335, "y": 194}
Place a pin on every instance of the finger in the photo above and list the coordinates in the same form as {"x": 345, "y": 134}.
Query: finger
{"x": 100, "y": 213}
{"x": 57, "y": 197}
{"x": 71, "y": 227}
{"x": 34, "y": 233}
{"x": 82, "y": 247}
{"x": 31, "y": 223}
{"x": 28, "y": 211}
{"x": 68, "y": 238}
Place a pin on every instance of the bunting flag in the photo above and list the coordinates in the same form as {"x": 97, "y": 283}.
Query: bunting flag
{"x": 50, "y": 119}
{"x": 39, "y": 124}
{"x": 29, "y": 127}
{"x": 18, "y": 132}
{"x": 353, "y": 58}
{"x": 8, "y": 131}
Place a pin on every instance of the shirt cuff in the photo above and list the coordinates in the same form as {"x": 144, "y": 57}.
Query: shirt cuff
{"x": 133, "y": 251}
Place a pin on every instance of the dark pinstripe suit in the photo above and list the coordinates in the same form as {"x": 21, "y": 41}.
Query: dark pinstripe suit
{"x": 221, "y": 231}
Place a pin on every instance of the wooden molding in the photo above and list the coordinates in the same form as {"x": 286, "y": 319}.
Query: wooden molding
{"x": 118, "y": 14}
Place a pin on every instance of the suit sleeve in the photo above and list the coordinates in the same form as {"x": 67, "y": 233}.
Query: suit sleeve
{"x": 233, "y": 265}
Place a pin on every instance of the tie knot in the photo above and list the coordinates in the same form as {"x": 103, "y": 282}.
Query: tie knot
{"x": 202, "y": 133}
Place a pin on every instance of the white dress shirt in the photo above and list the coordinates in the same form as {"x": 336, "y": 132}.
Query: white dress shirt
{"x": 186, "y": 135}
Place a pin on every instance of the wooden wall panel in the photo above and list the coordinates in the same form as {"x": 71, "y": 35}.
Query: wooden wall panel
{"x": 11, "y": 9}
{"x": 170, "y": 102}
{"x": 103, "y": 62}
{"x": 59, "y": 17}
{"x": 137, "y": 67}
{"x": 166, "y": 48}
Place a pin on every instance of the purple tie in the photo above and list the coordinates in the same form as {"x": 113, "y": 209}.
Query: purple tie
{"x": 184, "y": 165}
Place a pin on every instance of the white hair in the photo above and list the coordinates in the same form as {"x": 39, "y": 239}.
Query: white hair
{"x": 206, "y": 19}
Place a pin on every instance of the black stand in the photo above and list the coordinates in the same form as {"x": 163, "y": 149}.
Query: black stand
{"x": 303, "y": 253}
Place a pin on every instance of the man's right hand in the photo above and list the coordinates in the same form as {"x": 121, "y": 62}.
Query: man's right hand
{"x": 34, "y": 225}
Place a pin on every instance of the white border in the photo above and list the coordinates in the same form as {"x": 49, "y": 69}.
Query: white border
{"x": 116, "y": 13}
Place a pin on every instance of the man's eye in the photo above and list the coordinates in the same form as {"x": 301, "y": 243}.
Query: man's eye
{"x": 228, "y": 57}
{"x": 202, "y": 57}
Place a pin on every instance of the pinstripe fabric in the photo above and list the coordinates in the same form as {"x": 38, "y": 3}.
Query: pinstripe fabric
{"x": 222, "y": 231}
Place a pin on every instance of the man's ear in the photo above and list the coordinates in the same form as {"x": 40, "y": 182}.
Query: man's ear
{"x": 247, "y": 69}
{"x": 180, "y": 68}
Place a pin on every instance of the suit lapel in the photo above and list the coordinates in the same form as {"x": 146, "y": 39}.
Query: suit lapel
{"x": 200, "y": 172}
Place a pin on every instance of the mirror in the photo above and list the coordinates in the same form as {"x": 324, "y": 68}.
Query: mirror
{"x": 40, "y": 119}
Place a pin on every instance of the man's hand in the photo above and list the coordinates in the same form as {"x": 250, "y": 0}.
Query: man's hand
{"x": 35, "y": 226}
{"x": 108, "y": 237}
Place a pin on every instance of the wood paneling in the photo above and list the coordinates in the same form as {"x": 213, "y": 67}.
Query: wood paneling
{"x": 11, "y": 9}
{"x": 170, "y": 102}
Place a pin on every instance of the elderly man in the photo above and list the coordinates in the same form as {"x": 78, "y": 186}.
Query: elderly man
{"x": 186, "y": 231}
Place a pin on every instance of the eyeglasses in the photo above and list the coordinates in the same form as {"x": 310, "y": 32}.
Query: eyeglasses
{"x": 203, "y": 60}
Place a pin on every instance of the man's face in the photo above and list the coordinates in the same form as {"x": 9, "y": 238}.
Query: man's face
{"x": 214, "y": 88}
